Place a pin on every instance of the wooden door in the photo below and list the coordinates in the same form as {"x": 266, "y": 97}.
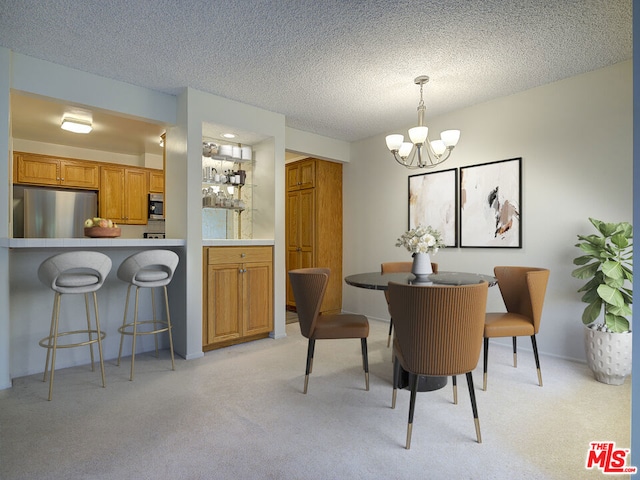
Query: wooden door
{"x": 136, "y": 197}
{"x": 299, "y": 234}
{"x": 79, "y": 174}
{"x": 257, "y": 298}
{"x": 111, "y": 195}
{"x": 36, "y": 169}
{"x": 224, "y": 300}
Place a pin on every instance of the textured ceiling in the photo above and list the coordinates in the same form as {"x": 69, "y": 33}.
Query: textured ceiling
{"x": 340, "y": 68}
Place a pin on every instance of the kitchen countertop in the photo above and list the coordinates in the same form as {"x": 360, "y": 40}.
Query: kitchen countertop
{"x": 90, "y": 242}
{"x": 222, "y": 242}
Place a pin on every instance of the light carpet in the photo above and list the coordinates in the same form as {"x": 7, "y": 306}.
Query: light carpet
{"x": 239, "y": 413}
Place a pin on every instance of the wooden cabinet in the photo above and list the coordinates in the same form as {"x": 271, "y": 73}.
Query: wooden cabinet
{"x": 36, "y": 169}
{"x": 123, "y": 195}
{"x": 301, "y": 175}
{"x": 156, "y": 181}
{"x": 313, "y": 212}
{"x": 237, "y": 295}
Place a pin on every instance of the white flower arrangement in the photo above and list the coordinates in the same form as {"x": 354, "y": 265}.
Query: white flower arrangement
{"x": 421, "y": 240}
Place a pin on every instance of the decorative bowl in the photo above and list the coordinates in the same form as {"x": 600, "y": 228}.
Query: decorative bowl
{"x": 102, "y": 232}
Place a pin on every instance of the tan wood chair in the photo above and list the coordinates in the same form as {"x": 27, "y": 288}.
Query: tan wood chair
{"x": 395, "y": 267}
{"x": 309, "y": 286}
{"x": 438, "y": 333}
{"x": 523, "y": 290}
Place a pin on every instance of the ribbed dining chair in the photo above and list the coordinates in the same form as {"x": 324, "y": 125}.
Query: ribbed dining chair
{"x": 523, "y": 290}
{"x": 309, "y": 286}
{"x": 438, "y": 333}
{"x": 398, "y": 267}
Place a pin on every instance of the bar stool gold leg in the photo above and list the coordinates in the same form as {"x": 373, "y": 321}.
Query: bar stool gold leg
{"x": 155, "y": 321}
{"x": 86, "y": 305}
{"x": 135, "y": 332}
{"x": 50, "y": 338}
{"x": 95, "y": 306}
{"x": 55, "y": 346}
{"x": 166, "y": 303}
{"x": 124, "y": 322}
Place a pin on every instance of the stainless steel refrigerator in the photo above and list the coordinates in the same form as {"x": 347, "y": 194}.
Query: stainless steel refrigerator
{"x": 52, "y": 213}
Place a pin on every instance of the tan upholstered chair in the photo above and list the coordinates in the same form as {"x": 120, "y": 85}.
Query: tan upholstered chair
{"x": 395, "y": 267}
{"x": 309, "y": 286}
{"x": 438, "y": 333}
{"x": 523, "y": 290}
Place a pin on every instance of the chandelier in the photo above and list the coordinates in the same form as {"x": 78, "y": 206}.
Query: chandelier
{"x": 426, "y": 154}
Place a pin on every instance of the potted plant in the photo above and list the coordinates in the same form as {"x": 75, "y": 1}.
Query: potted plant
{"x": 606, "y": 263}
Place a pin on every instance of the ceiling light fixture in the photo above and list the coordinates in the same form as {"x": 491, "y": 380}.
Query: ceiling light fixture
{"x": 229, "y": 135}
{"x": 429, "y": 154}
{"x": 76, "y": 125}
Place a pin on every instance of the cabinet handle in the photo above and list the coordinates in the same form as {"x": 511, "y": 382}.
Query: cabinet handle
{"x": 243, "y": 255}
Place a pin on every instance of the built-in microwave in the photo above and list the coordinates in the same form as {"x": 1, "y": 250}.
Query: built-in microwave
{"x": 156, "y": 206}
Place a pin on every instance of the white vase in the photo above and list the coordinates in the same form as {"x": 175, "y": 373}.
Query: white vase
{"x": 421, "y": 267}
{"x": 608, "y": 355}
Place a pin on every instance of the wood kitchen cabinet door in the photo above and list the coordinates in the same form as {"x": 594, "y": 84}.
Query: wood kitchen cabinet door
{"x": 124, "y": 195}
{"x": 237, "y": 295}
{"x": 301, "y": 175}
{"x": 156, "y": 181}
{"x": 36, "y": 169}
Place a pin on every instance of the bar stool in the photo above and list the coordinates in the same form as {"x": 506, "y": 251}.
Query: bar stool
{"x": 148, "y": 269}
{"x": 73, "y": 272}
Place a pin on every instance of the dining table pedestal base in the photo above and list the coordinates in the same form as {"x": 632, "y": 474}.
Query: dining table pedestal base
{"x": 425, "y": 383}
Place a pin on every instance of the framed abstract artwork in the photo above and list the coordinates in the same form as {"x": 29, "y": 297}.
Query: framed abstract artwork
{"x": 491, "y": 204}
{"x": 433, "y": 201}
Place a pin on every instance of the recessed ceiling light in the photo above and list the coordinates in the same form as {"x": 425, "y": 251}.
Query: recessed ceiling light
{"x": 229, "y": 135}
{"x": 75, "y": 125}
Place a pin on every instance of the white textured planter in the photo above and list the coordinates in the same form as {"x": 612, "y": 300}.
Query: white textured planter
{"x": 608, "y": 355}
{"x": 421, "y": 267}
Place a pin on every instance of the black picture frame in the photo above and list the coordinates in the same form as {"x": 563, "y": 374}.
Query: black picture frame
{"x": 433, "y": 200}
{"x": 491, "y": 204}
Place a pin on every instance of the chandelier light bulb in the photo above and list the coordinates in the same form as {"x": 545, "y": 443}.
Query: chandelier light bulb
{"x": 405, "y": 149}
{"x": 450, "y": 137}
{"x": 394, "y": 141}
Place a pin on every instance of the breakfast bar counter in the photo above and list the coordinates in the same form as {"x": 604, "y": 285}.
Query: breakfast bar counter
{"x": 30, "y": 302}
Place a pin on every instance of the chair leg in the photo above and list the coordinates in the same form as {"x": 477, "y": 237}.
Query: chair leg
{"x": 155, "y": 320}
{"x": 454, "y": 381}
{"x": 515, "y": 352}
{"x": 310, "y": 349}
{"x": 166, "y": 304}
{"x": 535, "y": 354}
{"x": 412, "y": 405}
{"x": 135, "y": 333}
{"x": 486, "y": 360}
{"x": 124, "y": 322}
{"x": 474, "y": 407}
{"x": 390, "y": 330}
{"x": 55, "y": 343}
{"x": 95, "y": 307}
{"x": 86, "y": 306}
{"x": 56, "y": 299}
{"x": 396, "y": 380}
{"x": 365, "y": 361}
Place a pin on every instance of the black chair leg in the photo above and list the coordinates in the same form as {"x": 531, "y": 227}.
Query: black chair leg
{"x": 396, "y": 381}
{"x": 412, "y": 405}
{"x": 535, "y": 354}
{"x": 310, "y": 349}
{"x": 365, "y": 361}
{"x": 390, "y": 330}
{"x": 474, "y": 407}
{"x": 515, "y": 352}
{"x": 486, "y": 360}
{"x": 454, "y": 381}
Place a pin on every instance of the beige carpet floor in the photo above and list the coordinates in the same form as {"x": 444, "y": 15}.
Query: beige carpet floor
{"x": 239, "y": 413}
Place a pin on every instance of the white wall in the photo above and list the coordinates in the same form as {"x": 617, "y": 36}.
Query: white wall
{"x": 575, "y": 140}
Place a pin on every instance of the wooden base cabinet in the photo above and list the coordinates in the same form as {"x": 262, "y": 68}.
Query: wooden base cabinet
{"x": 313, "y": 212}
{"x": 238, "y": 295}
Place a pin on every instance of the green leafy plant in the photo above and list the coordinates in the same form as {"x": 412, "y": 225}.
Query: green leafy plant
{"x": 607, "y": 263}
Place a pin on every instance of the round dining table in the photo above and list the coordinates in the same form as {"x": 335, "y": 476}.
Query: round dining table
{"x": 380, "y": 281}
